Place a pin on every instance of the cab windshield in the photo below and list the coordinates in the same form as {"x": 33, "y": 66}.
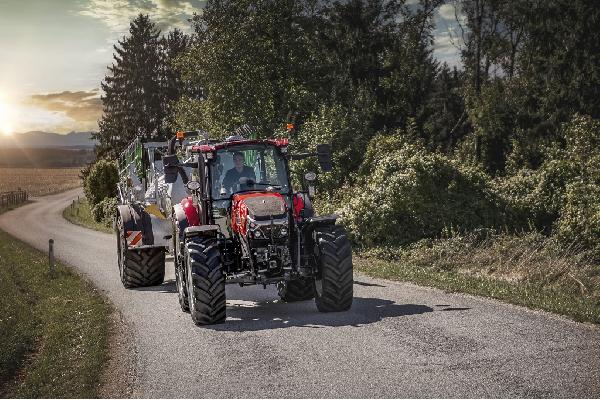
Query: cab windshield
{"x": 245, "y": 168}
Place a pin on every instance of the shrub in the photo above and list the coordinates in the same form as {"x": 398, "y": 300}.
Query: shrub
{"x": 561, "y": 196}
{"x": 535, "y": 198}
{"x": 101, "y": 182}
{"x": 579, "y": 223}
{"x": 348, "y": 133}
{"x": 105, "y": 210}
{"x": 405, "y": 194}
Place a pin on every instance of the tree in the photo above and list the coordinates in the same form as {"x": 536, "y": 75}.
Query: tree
{"x": 139, "y": 87}
{"x": 250, "y": 59}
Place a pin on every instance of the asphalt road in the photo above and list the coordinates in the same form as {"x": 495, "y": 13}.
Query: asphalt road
{"x": 398, "y": 340}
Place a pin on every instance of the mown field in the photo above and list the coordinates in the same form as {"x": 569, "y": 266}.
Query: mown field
{"x": 39, "y": 181}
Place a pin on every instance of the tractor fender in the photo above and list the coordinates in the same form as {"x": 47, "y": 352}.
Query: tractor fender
{"x": 135, "y": 219}
{"x": 180, "y": 220}
{"x": 185, "y": 215}
{"x": 312, "y": 223}
{"x": 203, "y": 230}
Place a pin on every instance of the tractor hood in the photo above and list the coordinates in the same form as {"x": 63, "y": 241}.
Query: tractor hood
{"x": 262, "y": 206}
{"x": 259, "y": 206}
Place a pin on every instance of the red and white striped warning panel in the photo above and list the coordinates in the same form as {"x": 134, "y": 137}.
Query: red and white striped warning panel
{"x": 134, "y": 238}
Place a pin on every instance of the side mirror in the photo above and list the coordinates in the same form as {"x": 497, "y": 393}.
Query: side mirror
{"x": 324, "y": 156}
{"x": 171, "y": 166}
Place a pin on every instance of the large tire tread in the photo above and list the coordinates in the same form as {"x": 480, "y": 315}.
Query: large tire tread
{"x": 296, "y": 290}
{"x": 335, "y": 259}
{"x": 206, "y": 281}
{"x": 142, "y": 268}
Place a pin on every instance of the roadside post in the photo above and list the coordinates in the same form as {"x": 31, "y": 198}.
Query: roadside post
{"x": 51, "y": 257}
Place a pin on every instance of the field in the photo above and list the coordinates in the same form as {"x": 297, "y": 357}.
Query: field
{"x": 39, "y": 181}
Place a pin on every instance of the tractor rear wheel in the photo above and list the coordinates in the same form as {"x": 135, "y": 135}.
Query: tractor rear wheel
{"x": 296, "y": 290}
{"x": 205, "y": 280}
{"x": 333, "y": 278}
{"x": 139, "y": 268}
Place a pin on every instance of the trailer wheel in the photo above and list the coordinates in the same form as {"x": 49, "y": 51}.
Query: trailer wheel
{"x": 206, "y": 281}
{"x": 296, "y": 290}
{"x": 181, "y": 282}
{"x": 139, "y": 268}
{"x": 333, "y": 278}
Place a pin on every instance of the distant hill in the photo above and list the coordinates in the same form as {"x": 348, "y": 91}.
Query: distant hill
{"x": 36, "y": 139}
{"x": 46, "y": 157}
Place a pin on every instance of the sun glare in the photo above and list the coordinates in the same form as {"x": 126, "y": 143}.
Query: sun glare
{"x": 5, "y": 122}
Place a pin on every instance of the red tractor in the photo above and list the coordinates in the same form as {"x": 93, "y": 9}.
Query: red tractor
{"x": 243, "y": 223}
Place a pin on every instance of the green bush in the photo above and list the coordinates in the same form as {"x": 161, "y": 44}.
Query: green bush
{"x": 348, "y": 133}
{"x": 579, "y": 223}
{"x": 405, "y": 194}
{"x": 536, "y": 198}
{"x": 101, "y": 182}
{"x": 105, "y": 210}
{"x": 559, "y": 197}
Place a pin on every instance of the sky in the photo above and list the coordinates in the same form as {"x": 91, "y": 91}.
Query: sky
{"x": 54, "y": 54}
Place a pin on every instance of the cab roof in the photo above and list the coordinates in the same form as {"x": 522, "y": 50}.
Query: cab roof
{"x": 208, "y": 148}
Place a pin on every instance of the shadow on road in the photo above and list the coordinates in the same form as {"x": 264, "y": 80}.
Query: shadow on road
{"x": 368, "y": 284}
{"x": 165, "y": 287}
{"x": 255, "y": 316}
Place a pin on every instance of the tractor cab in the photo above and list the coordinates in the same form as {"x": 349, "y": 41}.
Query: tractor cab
{"x": 253, "y": 167}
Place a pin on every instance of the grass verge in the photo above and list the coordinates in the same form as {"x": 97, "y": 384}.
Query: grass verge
{"x": 528, "y": 270}
{"x": 53, "y": 330}
{"x": 80, "y": 213}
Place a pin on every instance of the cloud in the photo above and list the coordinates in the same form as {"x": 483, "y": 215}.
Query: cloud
{"x": 167, "y": 14}
{"x": 79, "y": 110}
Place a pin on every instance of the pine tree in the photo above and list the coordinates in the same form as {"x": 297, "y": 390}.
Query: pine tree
{"x": 132, "y": 101}
{"x": 174, "y": 44}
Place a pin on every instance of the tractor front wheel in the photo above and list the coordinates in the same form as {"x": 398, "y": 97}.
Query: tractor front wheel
{"x": 205, "y": 281}
{"x": 333, "y": 277}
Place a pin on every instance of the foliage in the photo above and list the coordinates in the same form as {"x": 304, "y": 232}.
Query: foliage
{"x": 80, "y": 213}
{"x": 405, "y": 193}
{"x": 105, "y": 211}
{"x": 270, "y": 62}
{"x": 251, "y": 61}
{"x": 140, "y": 88}
{"x": 101, "y": 182}
{"x": 348, "y": 133}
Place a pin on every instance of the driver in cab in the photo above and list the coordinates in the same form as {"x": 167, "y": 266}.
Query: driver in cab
{"x": 240, "y": 170}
